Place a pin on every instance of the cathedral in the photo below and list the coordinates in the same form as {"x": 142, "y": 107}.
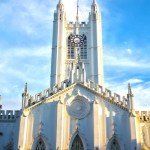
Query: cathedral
{"x": 76, "y": 112}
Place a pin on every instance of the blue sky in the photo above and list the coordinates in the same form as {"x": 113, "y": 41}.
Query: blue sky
{"x": 25, "y": 46}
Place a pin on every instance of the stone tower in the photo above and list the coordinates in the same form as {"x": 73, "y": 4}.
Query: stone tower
{"x": 70, "y": 37}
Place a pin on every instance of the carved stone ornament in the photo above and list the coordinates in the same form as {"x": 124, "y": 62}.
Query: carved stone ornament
{"x": 78, "y": 107}
{"x": 145, "y": 132}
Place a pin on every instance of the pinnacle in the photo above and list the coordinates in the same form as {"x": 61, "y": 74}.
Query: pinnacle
{"x": 26, "y": 88}
{"x": 129, "y": 89}
{"x": 60, "y": 1}
{"x": 94, "y": 1}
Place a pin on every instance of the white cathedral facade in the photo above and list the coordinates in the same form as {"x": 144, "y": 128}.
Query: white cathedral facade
{"x": 76, "y": 112}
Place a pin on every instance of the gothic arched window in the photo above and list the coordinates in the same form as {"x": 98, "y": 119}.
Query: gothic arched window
{"x": 70, "y": 53}
{"x": 40, "y": 145}
{"x": 114, "y": 145}
{"x": 77, "y": 143}
{"x": 83, "y": 49}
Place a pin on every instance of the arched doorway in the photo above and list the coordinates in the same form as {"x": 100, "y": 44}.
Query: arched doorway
{"x": 40, "y": 145}
{"x": 77, "y": 143}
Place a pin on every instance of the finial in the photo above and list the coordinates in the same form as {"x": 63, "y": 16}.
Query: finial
{"x": 26, "y": 88}
{"x": 0, "y": 102}
{"x": 77, "y": 17}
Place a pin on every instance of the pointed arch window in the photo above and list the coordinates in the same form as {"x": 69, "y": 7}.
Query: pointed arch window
{"x": 70, "y": 53}
{"x": 77, "y": 143}
{"x": 114, "y": 145}
{"x": 40, "y": 145}
{"x": 83, "y": 49}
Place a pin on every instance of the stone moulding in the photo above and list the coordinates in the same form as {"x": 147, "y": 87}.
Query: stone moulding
{"x": 78, "y": 108}
{"x": 91, "y": 86}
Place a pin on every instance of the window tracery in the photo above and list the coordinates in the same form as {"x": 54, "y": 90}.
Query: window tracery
{"x": 70, "y": 53}
{"x": 77, "y": 143}
{"x": 83, "y": 50}
{"x": 71, "y": 49}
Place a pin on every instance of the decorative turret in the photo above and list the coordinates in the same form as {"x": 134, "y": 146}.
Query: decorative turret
{"x": 58, "y": 45}
{"x": 25, "y": 96}
{"x": 96, "y": 51}
{"x": 0, "y": 102}
{"x": 130, "y": 97}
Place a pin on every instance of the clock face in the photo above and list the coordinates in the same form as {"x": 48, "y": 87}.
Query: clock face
{"x": 77, "y": 40}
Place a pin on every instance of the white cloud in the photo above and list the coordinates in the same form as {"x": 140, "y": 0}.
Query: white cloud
{"x": 129, "y": 51}
{"x": 141, "y": 93}
{"x": 43, "y": 51}
{"x": 133, "y": 81}
{"x": 25, "y": 16}
{"x": 121, "y": 59}
{"x": 20, "y": 65}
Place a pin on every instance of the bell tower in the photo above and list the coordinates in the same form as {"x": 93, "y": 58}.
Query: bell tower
{"x": 70, "y": 37}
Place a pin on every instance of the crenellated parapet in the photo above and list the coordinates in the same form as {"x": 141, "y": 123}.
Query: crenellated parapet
{"x": 143, "y": 116}
{"x": 48, "y": 92}
{"x": 98, "y": 89}
{"x": 107, "y": 94}
{"x": 9, "y": 115}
